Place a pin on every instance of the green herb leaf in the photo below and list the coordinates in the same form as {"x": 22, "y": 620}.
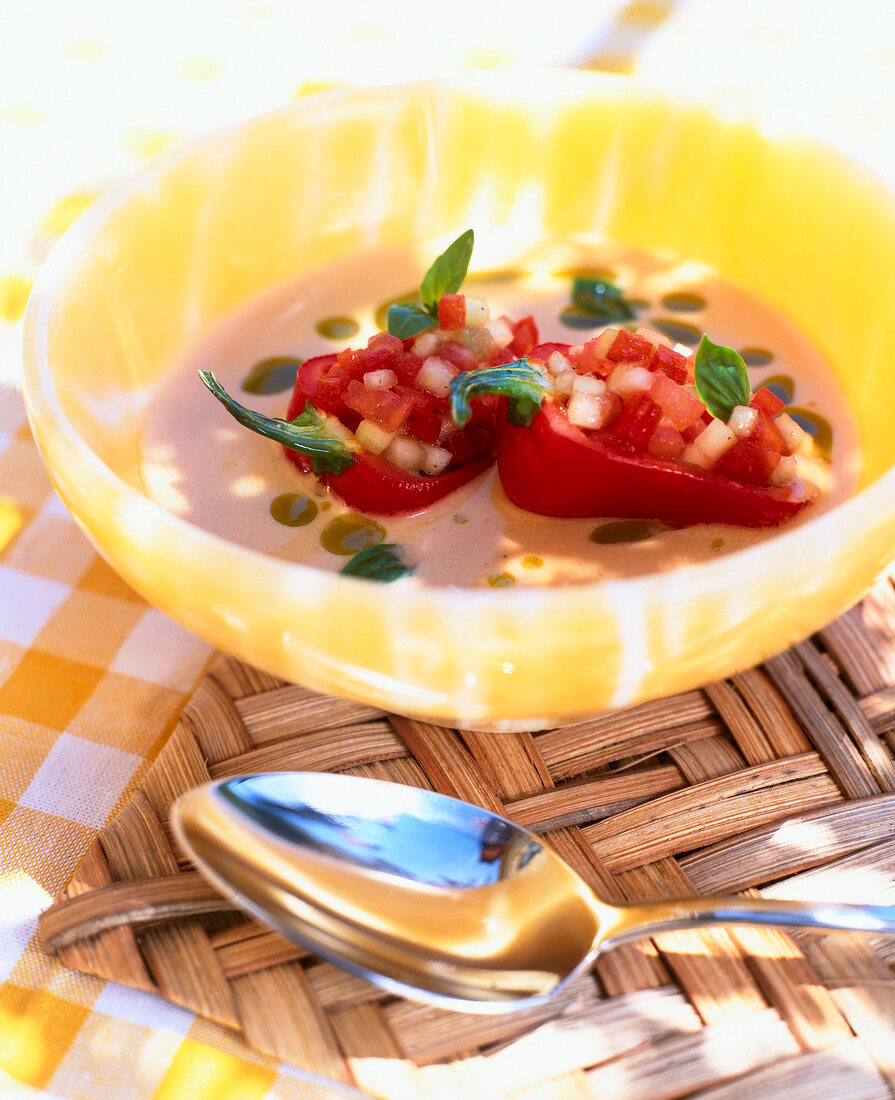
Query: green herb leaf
{"x": 384, "y": 562}
{"x": 447, "y": 273}
{"x": 601, "y": 299}
{"x": 722, "y": 380}
{"x": 307, "y": 433}
{"x": 522, "y": 382}
{"x": 445, "y": 276}
{"x": 408, "y": 319}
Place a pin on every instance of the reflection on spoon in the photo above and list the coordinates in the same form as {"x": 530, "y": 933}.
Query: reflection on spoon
{"x": 430, "y": 897}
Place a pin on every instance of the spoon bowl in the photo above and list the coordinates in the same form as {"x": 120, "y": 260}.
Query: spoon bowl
{"x": 430, "y": 897}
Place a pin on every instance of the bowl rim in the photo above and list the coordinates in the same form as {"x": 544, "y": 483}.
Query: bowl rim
{"x": 798, "y": 542}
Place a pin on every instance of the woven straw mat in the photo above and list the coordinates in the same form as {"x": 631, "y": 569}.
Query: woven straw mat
{"x": 779, "y": 781}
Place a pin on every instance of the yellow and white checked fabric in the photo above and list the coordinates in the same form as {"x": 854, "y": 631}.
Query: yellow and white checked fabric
{"x": 92, "y": 680}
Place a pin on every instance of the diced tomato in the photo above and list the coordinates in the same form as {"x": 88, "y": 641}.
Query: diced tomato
{"x": 637, "y": 422}
{"x": 766, "y": 401}
{"x": 378, "y": 358}
{"x": 422, "y": 402}
{"x": 332, "y": 382}
{"x": 671, "y": 363}
{"x": 747, "y": 462}
{"x": 542, "y": 352}
{"x": 666, "y": 442}
{"x": 483, "y": 409}
{"x": 427, "y": 415}
{"x": 425, "y": 426}
{"x": 628, "y": 348}
{"x": 506, "y": 355}
{"x": 586, "y": 361}
{"x": 468, "y": 443}
{"x": 330, "y": 389}
{"x": 385, "y": 340}
{"x": 451, "y": 312}
{"x": 460, "y": 445}
{"x": 680, "y": 407}
{"x": 385, "y": 408}
{"x": 407, "y": 367}
{"x": 766, "y": 434}
{"x": 525, "y": 336}
{"x": 458, "y": 356}
{"x": 348, "y": 359}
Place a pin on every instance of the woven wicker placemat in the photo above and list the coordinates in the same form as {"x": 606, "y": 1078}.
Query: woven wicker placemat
{"x": 779, "y": 780}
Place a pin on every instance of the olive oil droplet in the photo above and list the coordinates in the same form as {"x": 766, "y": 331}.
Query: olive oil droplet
{"x": 348, "y": 533}
{"x": 678, "y": 331}
{"x": 268, "y": 376}
{"x": 293, "y": 510}
{"x": 817, "y": 426}
{"x": 781, "y": 385}
{"x": 626, "y": 530}
{"x": 573, "y": 317}
{"x": 756, "y": 357}
{"x": 683, "y": 301}
{"x": 501, "y": 580}
{"x": 531, "y": 561}
{"x": 602, "y": 274}
{"x": 501, "y": 275}
{"x": 338, "y": 328}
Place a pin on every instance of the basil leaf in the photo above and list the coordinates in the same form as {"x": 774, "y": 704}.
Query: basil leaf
{"x": 447, "y": 273}
{"x": 520, "y": 381}
{"x": 601, "y": 299}
{"x": 722, "y": 380}
{"x": 383, "y": 562}
{"x": 307, "y": 433}
{"x": 407, "y": 319}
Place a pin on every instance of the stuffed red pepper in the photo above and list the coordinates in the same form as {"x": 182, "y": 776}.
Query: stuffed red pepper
{"x": 628, "y": 426}
{"x": 374, "y": 424}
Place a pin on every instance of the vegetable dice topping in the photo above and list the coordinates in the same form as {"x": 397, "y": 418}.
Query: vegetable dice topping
{"x": 625, "y": 424}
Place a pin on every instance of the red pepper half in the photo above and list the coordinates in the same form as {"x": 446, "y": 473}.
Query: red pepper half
{"x": 372, "y": 484}
{"x": 555, "y": 469}
{"x": 393, "y": 396}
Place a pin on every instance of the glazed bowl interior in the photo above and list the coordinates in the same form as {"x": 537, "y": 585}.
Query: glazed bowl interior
{"x": 558, "y": 155}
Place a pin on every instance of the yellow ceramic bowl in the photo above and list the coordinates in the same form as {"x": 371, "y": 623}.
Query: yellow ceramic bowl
{"x": 206, "y": 229}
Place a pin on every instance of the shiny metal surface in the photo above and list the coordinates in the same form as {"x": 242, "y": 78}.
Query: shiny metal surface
{"x": 430, "y": 897}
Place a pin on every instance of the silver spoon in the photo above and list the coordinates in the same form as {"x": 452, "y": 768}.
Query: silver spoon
{"x": 430, "y": 897}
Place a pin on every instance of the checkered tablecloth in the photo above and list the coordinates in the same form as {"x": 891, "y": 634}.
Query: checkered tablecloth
{"x": 92, "y": 679}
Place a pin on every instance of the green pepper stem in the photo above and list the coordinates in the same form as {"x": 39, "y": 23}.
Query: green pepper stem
{"x": 521, "y": 381}
{"x": 307, "y": 434}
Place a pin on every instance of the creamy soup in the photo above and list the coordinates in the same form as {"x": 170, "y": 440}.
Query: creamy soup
{"x": 203, "y": 466}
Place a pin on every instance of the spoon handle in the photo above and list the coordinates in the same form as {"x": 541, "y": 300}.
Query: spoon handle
{"x": 648, "y": 918}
